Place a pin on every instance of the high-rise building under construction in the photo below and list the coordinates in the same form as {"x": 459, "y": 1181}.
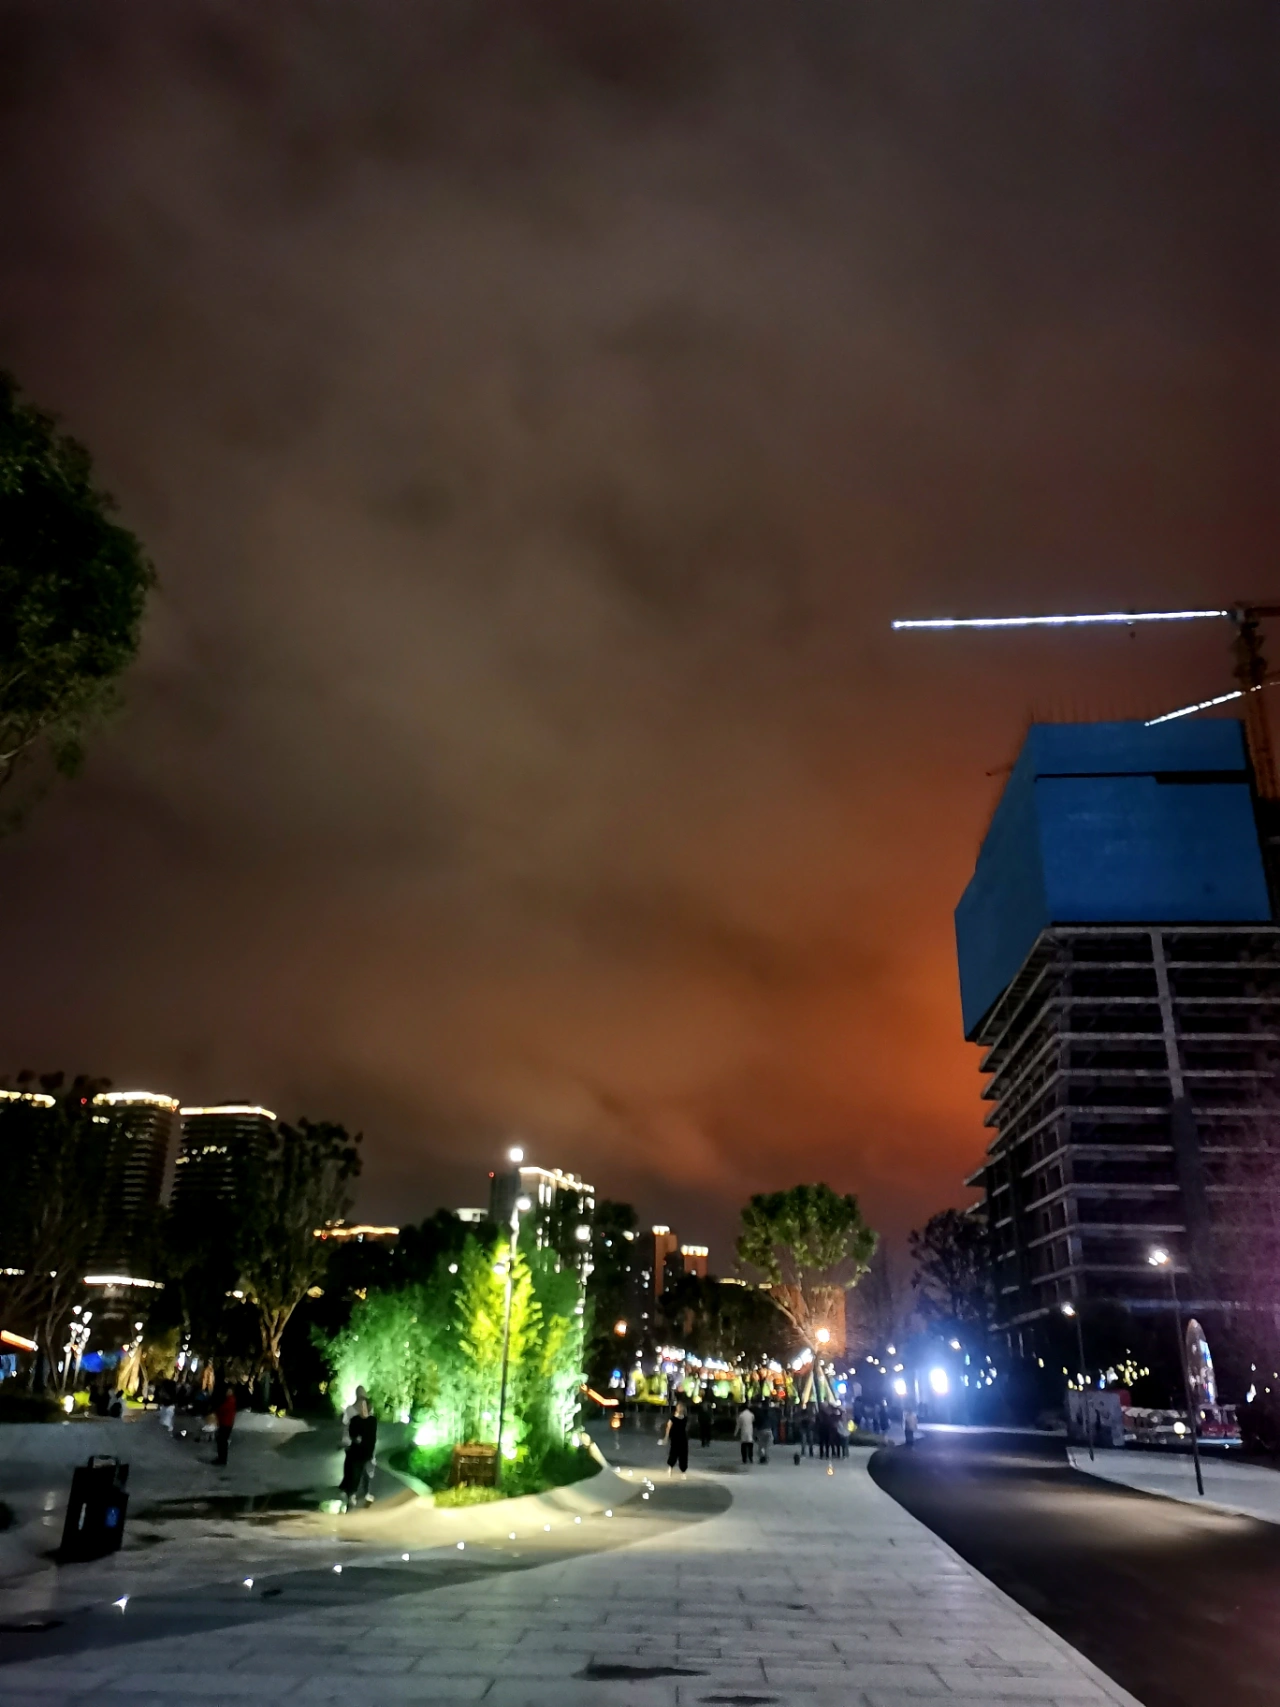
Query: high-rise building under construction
{"x": 1120, "y": 966}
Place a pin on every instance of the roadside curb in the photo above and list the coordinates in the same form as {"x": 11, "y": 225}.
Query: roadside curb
{"x": 1080, "y": 1461}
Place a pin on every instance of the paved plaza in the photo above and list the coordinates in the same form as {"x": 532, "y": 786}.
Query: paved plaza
{"x": 738, "y": 1588}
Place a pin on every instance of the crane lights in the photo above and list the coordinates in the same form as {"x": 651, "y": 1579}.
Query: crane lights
{"x": 1121, "y": 617}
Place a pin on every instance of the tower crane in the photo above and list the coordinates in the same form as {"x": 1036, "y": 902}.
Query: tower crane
{"x": 1249, "y": 667}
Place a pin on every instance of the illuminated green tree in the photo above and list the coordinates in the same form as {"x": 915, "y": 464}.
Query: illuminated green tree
{"x": 397, "y": 1347}
{"x": 550, "y": 1370}
{"x": 480, "y": 1312}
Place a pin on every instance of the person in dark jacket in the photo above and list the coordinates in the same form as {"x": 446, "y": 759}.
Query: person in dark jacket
{"x": 357, "y": 1465}
{"x": 676, "y": 1436}
{"x": 705, "y": 1415}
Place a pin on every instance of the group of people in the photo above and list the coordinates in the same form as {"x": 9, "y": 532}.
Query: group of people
{"x": 756, "y": 1427}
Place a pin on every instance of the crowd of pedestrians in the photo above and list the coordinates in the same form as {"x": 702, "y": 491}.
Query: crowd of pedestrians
{"x": 812, "y": 1430}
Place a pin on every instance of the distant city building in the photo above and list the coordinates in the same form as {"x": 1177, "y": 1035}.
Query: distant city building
{"x": 1120, "y": 966}
{"x": 140, "y": 1123}
{"x": 561, "y": 1209}
{"x": 358, "y": 1233}
{"x": 220, "y": 1146}
{"x": 694, "y": 1260}
{"x": 661, "y": 1255}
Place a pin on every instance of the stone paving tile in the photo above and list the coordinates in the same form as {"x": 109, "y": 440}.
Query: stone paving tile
{"x": 864, "y": 1608}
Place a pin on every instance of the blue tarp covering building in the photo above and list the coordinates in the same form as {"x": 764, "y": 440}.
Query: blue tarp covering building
{"x": 1110, "y": 823}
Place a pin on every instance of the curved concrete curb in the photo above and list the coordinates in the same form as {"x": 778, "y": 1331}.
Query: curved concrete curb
{"x": 412, "y": 1520}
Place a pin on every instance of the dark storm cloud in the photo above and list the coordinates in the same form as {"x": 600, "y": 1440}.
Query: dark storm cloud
{"x": 536, "y": 412}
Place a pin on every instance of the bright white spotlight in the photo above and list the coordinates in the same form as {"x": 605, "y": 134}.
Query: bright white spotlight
{"x": 515, "y": 1154}
{"x": 938, "y": 1381}
{"x": 524, "y": 1205}
{"x": 900, "y": 1388}
{"x": 1158, "y": 1258}
{"x": 1123, "y": 617}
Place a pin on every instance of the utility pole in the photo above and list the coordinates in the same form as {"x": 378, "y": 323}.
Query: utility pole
{"x": 521, "y": 1204}
{"x": 1160, "y": 1258}
{"x": 1072, "y": 1311}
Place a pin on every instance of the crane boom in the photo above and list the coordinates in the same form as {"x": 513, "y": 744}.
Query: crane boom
{"x": 1249, "y": 667}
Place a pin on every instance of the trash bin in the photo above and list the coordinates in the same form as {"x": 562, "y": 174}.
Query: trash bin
{"x": 95, "y": 1510}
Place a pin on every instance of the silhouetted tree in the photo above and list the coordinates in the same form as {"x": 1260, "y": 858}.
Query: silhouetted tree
{"x": 812, "y": 1246}
{"x": 73, "y": 584}
{"x": 952, "y": 1278}
{"x": 302, "y": 1184}
{"x": 54, "y": 1166}
{"x": 613, "y": 1291}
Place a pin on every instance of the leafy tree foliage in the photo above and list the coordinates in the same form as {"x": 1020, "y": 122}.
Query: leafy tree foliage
{"x": 432, "y": 1351}
{"x": 302, "y": 1181}
{"x": 952, "y": 1278}
{"x": 881, "y": 1305}
{"x": 73, "y": 584}
{"x": 719, "y": 1318}
{"x": 809, "y": 1243}
{"x": 54, "y": 1168}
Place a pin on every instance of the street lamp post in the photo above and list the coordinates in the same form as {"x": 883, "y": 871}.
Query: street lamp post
{"x": 1073, "y": 1312}
{"x": 520, "y": 1205}
{"x": 1160, "y": 1258}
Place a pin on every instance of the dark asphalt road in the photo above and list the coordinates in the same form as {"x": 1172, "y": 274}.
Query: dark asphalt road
{"x": 1180, "y": 1606}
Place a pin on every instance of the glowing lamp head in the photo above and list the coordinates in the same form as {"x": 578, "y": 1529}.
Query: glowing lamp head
{"x": 1158, "y": 1257}
{"x": 938, "y": 1382}
{"x": 515, "y": 1154}
{"x": 1068, "y": 1309}
{"x": 900, "y": 1388}
{"x": 823, "y": 1336}
{"x": 582, "y": 1234}
{"x": 620, "y": 1328}
{"x": 524, "y": 1204}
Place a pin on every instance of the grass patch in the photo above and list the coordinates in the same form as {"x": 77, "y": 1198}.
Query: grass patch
{"x": 447, "y": 1497}
{"x": 556, "y": 1468}
{"x": 17, "y": 1405}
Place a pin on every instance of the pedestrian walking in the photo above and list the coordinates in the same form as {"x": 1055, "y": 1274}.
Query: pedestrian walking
{"x": 764, "y": 1432}
{"x": 224, "y": 1420}
{"x": 704, "y": 1423}
{"x": 357, "y": 1465}
{"x": 744, "y": 1431}
{"x": 676, "y": 1436}
{"x": 352, "y": 1410}
{"x": 809, "y": 1426}
{"x": 910, "y": 1423}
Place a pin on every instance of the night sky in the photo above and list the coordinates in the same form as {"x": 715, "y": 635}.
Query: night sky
{"x": 536, "y": 413}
